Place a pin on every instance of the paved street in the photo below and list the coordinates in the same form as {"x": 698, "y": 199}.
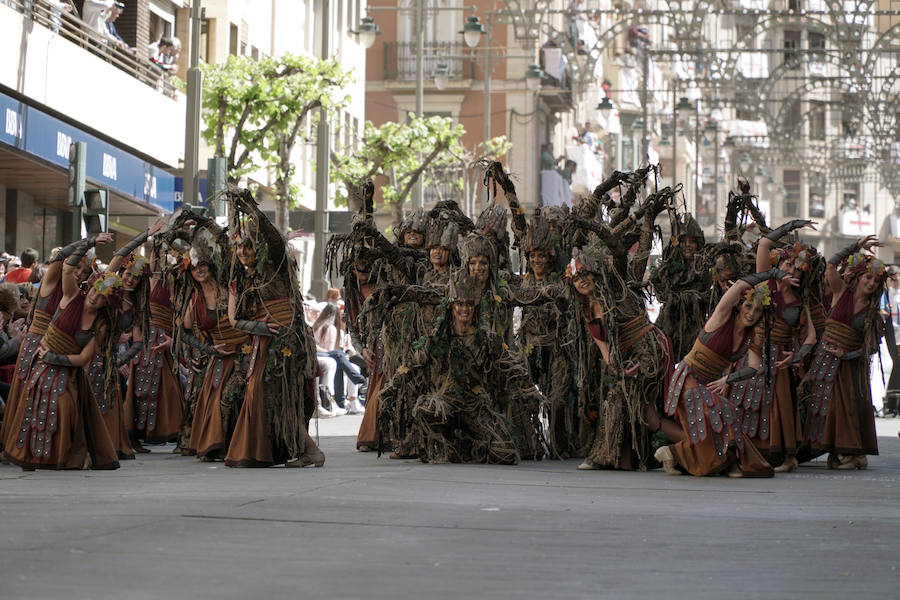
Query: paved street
{"x": 362, "y": 527}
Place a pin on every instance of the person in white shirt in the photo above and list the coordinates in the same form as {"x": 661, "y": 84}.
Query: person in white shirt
{"x": 95, "y": 13}
{"x": 325, "y": 331}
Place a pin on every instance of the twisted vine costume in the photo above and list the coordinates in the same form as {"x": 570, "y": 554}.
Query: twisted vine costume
{"x": 682, "y": 286}
{"x": 473, "y": 402}
{"x": 621, "y": 436}
{"x": 280, "y": 394}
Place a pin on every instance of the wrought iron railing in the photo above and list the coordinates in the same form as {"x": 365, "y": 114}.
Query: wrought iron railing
{"x": 78, "y": 32}
{"x": 400, "y": 60}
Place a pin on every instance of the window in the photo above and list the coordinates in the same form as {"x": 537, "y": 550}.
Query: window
{"x": 791, "y": 206}
{"x": 817, "y": 113}
{"x": 816, "y": 45}
{"x": 792, "y": 116}
{"x": 233, "y": 40}
{"x": 850, "y": 198}
{"x": 816, "y": 201}
{"x": 245, "y": 29}
{"x": 793, "y": 4}
{"x": 791, "y": 47}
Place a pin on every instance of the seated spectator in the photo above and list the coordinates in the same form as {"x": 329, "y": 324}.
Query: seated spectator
{"x": 328, "y": 367}
{"x": 4, "y": 260}
{"x": 327, "y": 335}
{"x": 21, "y": 275}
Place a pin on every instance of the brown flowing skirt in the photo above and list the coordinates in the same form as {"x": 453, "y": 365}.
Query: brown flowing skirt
{"x": 207, "y": 432}
{"x": 250, "y": 445}
{"x": 784, "y": 423}
{"x": 80, "y": 431}
{"x": 155, "y": 418}
{"x": 8, "y": 431}
{"x": 850, "y": 417}
{"x": 114, "y": 418}
{"x": 701, "y": 458}
{"x": 366, "y": 436}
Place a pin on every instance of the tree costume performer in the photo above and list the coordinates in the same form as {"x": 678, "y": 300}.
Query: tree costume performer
{"x": 766, "y": 404}
{"x": 153, "y": 402}
{"x": 60, "y": 425}
{"x": 682, "y": 285}
{"x": 841, "y": 419}
{"x": 630, "y": 408}
{"x": 222, "y": 392}
{"x": 472, "y": 385}
{"x": 49, "y": 295}
{"x": 545, "y": 342}
{"x": 264, "y": 302}
{"x": 697, "y": 392}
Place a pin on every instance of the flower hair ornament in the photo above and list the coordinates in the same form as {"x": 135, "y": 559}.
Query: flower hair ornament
{"x": 137, "y": 265}
{"x": 760, "y": 295}
{"x": 861, "y": 262}
{"x": 798, "y": 254}
{"x": 108, "y": 285}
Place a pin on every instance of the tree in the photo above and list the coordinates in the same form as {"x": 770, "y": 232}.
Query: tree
{"x": 393, "y": 150}
{"x": 254, "y": 114}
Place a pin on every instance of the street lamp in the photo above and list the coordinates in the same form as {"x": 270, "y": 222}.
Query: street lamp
{"x": 368, "y": 29}
{"x": 769, "y": 185}
{"x": 472, "y": 31}
{"x": 533, "y": 77}
{"x": 684, "y": 108}
{"x": 782, "y": 194}
{"x": 441, "y": 76}
{"x": 605, "y": 107}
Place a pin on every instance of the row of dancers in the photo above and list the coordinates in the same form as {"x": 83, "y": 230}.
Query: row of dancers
{"x": 481, "y": 346}
{"x": 759, "y": 359}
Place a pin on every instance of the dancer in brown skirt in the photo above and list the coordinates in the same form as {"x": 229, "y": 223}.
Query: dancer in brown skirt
{"x": 766, "y": 404}
{"x": 697, "y": 394}
{"x": 59, "y": 423}
{"x": 264, "y": 302}
{"x": 841, "y": 419}
{"x": 224, "y": 383}
{"x": 154, "y": 402}
{"x": 47, "y": 301}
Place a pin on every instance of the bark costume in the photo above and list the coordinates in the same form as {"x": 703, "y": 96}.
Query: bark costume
{"x": 280, "y": 396}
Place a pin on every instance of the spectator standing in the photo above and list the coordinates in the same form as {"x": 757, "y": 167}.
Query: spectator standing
{"x": 890, "y": 306}
{"x": 164, "y": 53}
{"x": 95, "y": 14}
{"x": 21, "y": 275}
{"x": 112, "y": 34}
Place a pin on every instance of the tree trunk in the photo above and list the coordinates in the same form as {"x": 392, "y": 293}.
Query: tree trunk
{"x": 282, "y": 205}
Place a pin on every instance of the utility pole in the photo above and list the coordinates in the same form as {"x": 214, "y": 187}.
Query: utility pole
{"x": 419, "y": 192}
{"x": 192, "y": 131}
{"x": 323, "y": 155}
{"x": 487, "y": 98}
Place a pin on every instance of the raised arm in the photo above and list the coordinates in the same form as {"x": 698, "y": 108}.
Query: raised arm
{"x": 768, "y": 241}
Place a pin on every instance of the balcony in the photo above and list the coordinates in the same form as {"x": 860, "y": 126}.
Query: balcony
{"x": 400, "y": 60}
{"x": 56, "y": 61}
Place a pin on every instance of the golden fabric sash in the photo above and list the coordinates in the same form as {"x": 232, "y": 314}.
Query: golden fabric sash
{"x": 842, "y": 335}
{"x": 278, "y": 310}
{"x": 781, "y": 334}
{"x": 161, "y": 316}
{"x": 39, "y": 322}
{"x": 224, "y": 333}
{"x": 60, "y": 342}
{"x": 633, "y": 330}
{"x": 705, "y": 362}
{"x": 817, "y": 313}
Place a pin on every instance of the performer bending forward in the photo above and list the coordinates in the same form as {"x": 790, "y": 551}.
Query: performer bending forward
{"x": 697, "y": 395}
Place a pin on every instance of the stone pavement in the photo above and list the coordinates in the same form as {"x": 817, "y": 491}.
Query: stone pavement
{"x": 169, "y": 527}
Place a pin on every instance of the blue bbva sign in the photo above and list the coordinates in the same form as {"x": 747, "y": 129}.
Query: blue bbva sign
{"x": 48, "y": 138}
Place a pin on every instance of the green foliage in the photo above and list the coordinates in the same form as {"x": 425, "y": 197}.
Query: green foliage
{"x": 393, "y": 150}
{"x": 254, "y": 111}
